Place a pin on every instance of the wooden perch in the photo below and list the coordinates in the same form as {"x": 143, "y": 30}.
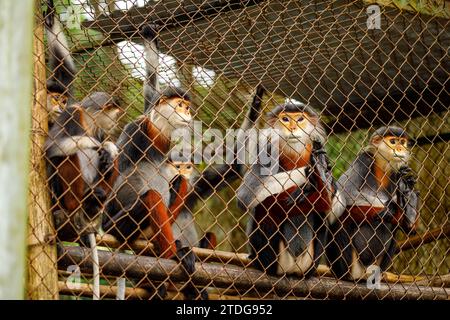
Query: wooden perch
{"x": 85, "y": 290}
{"x": 438, "y": 281}
{"x": 156, "y": 269}
{"x": 146, "y": 247}
{"x": 239, "y": 259}
{"x": 427, "y": 237}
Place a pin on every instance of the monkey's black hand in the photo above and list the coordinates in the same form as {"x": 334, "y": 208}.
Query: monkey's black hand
{"x": 256, "y": 104}
{"x": 105, "y": 162}
{"x": 187, "y": 259}
{"x": 406, "y": 175}
{"x": 319, "y": 157}
{"x": 317, "y": 147}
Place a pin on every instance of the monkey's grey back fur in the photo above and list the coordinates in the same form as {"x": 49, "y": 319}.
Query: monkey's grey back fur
{"x": 97, "y": 100}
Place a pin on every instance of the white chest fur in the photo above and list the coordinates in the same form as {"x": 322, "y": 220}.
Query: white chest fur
{"x": 89, "y": 163}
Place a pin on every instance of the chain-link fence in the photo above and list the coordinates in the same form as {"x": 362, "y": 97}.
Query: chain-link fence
{"x": 313, "y": 159}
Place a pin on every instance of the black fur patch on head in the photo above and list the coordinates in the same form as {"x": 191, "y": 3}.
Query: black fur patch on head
{"x": 180, "y": 158}
{"x": 175, "y": 92}
{"x": 291, "y": 108}
{"x": 98, "y": 100}
{"x": 390, "y": 131}
{"x": 169, "y": 93}
{"x": 54, "y": 87}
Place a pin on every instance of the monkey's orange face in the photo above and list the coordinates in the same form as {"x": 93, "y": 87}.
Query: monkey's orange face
{"x": 293, "y": 123}
{"x": 56, "y": 103}
{"x": 175, "y": 111}
{"x": 182, "y": 106}
{"x": 184, "y": 169}
{"x": 393, "y": 150}
{"x": 295, "y": 129}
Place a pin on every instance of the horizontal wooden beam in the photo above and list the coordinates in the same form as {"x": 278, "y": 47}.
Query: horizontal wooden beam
{"x": 224, "y": 276}
{"x": 242, "y": 259}
{"x": 205, "y": 255}
{"x": 120, "y": 25}
{"x": 85, "y": 290}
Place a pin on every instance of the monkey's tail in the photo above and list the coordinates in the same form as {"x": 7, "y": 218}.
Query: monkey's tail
{"x": 120, "y": 288}
{"x": 252, "y": 116}
{"x": 95, "y": 267}
{"x": 121, "y": 285}
{"x": 151, "y": 84}
{"x": 250, "y": 122}
{"x": 61, "y": 62}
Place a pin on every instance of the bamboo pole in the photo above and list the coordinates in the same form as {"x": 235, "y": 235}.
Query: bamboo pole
{"x": 429, "y": 236}
{"x": 156, "y": 269}
{"x": 42, "y": 268}
{"x": 146, "y": 247}
{"x": 86, "y": 290}
{"x": 16, "y": 36}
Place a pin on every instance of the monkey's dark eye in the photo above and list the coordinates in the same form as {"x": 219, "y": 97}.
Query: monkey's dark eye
{"x": 285, "y": 119}
{"x": 177, "y": 166}
{"x": 300, "y": 119}
{"x": 392, "y": 141}
{"x": 189, "y": 167}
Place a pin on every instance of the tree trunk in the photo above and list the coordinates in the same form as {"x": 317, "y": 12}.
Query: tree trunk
{"x": 15, "y": 90}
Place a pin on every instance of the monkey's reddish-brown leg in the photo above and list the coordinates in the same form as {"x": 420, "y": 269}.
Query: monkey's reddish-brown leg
{"x": 176, "y": 206}
{"x": 72, "y": 183}
{"x": 160, "y": 223}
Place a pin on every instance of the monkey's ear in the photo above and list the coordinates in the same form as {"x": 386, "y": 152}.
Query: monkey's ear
{"x": 376, "y": 140}
{"x": 163, "y": 100}
{"x": 110, "y": 106}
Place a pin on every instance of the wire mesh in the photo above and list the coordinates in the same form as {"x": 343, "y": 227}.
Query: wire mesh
{"x": 360, "y": 65}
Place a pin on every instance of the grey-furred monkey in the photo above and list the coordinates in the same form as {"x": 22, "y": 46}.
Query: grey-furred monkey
{"x": 380, "y": 199}
{"x": 81, "y": 172}
{"x": 213, "y": 179}
{"x": 290, "y": 209}
{"x": 141, "y": 196}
